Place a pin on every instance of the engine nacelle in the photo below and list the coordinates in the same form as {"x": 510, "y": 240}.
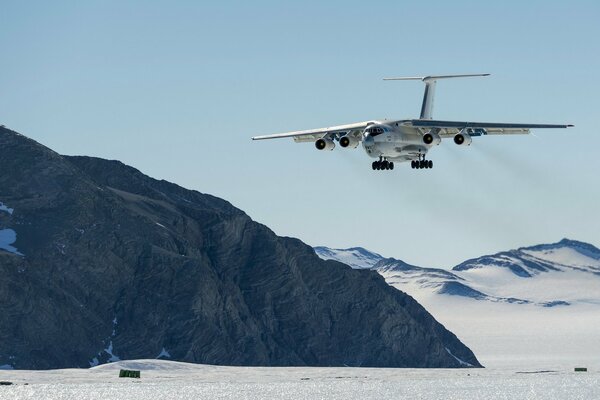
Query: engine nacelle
{"x": 432, "y": 138}
{"x": 348, "y": 141}
{"x": 462, "y": 138}
{"x": 324, "y": 144}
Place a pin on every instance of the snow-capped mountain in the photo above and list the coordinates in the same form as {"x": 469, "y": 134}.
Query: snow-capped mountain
{"x": 546, "y": 275}
{"x": 356, "y": 257}
{"x": 537, "y": 306}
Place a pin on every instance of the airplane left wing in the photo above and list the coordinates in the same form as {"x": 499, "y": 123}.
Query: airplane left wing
{"x": 312, "y": 135}
{"x": 450, "y": 128}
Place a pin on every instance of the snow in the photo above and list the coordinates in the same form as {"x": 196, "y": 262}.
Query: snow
{"x": 8, "y": 237}
{"x": 175, "y": 380}
{"x": 109, "y": 350}
{"x": 5, "y": 208}
{"x": 355, "y": 257}
{"x": 163, "y": 353}
{"x": 565, "y": 256}
{"x": 463, "y": 363}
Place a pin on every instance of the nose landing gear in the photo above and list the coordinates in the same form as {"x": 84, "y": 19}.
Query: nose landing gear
{"x": 382, "y": 164}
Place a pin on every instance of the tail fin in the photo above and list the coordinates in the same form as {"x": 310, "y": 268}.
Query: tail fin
{"x": 427, "y": 106}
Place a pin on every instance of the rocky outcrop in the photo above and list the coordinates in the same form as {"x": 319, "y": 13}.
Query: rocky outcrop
{"x": 110, "y": 264}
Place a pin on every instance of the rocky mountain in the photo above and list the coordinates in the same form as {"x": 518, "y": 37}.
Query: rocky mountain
{"x": 99, "y": 262}
{"x": 521, "y": 276}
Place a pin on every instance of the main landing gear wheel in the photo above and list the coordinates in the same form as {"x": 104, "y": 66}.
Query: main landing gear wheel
{"x": 382, "y": 165}
{"x": 421, "y": 164}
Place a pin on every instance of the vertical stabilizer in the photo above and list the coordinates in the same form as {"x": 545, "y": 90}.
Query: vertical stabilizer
{"x": 427, "y": 106}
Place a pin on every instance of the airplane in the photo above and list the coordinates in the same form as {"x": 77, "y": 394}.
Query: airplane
{"x": 394, "y": 141}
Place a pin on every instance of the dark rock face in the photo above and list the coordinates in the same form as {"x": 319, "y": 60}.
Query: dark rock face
{"x": 114, "y": 264}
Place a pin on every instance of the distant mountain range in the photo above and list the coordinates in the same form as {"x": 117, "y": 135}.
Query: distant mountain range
{"x": 99, "y": 262}
{"x": 521, "y": 276}
{"x": 533, "y": 307}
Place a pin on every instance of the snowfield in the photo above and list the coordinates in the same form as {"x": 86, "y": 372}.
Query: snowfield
{"x": 173, "y": 380}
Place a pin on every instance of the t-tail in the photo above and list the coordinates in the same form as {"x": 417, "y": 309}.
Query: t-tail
{"x": 427, "y": 106}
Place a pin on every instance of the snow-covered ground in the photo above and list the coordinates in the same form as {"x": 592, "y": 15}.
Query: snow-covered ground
{"x": 172, "y": 380}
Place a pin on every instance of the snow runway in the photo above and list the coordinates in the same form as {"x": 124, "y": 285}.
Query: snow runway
{"x": 172, "y": 380}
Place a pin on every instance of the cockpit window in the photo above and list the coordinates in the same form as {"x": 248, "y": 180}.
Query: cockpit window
{"x": 377, "y": 130}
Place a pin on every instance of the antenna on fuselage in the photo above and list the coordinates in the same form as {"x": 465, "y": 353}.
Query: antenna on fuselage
{"x": 427, "y": 106}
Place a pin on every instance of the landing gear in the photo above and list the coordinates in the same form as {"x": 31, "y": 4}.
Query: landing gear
{"x": 422, "y": 163}
{"x": 382, "y": 164}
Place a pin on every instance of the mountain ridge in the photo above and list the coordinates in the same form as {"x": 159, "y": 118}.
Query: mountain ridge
{"x": 566, "y": 255}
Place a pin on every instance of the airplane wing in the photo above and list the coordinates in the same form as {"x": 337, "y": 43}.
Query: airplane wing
{"x": 451, "y": 128}
{"x": 312, "y": 135}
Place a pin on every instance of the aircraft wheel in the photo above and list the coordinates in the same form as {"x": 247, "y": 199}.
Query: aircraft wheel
{"x": 412, "y": 164}
{"x": 374, "y": 165}
{"x": 421, "y": 164}
{"x": 430, "y": 164}
{"x": 385, "y": 165}
{"x": 391, "y": 165}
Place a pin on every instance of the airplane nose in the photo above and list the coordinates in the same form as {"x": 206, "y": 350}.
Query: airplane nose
{"x": 368, "y": 140}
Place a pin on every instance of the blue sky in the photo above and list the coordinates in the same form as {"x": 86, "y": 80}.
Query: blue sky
{"x": 176, "y": 89}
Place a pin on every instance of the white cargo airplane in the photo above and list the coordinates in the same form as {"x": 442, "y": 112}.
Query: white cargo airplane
{"x": 391, "y": 141}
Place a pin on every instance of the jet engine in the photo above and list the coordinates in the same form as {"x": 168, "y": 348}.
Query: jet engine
{"x": 432, "y": 138}
{"x": 348, "y": 141}
{"x": 462, "y": 138}
{"x": 324, "y": 144}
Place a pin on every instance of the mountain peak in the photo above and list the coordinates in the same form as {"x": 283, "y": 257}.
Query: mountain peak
{"x": 355, "y": 257}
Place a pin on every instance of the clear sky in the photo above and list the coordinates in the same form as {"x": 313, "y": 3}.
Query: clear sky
{"x": 177, "y": 89}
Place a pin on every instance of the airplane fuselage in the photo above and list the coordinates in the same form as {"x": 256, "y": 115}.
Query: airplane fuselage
{"x": 394, "y": 143}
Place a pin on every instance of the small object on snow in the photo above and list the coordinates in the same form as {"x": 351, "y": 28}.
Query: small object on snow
{"x": 580, "y": 369}
{"x": 126, "y": 373}
{"x": 5, "y": 383}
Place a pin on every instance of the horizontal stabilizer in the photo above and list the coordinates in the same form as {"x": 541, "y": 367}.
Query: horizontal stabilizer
{"x": 427, "y": 106}
{"x": 431, "y": 77}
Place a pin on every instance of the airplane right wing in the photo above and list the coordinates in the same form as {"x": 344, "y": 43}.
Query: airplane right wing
{"x": 450, "y": 128}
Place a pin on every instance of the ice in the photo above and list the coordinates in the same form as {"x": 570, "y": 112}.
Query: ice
{"x": 163, "y": 353}
{"x": 8, "y": 237}
{"x": 174, "y": 380}
{"x": 463, "y": 363}
{"x": 5, "y": 208}
{"x": 109, "y": 350}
